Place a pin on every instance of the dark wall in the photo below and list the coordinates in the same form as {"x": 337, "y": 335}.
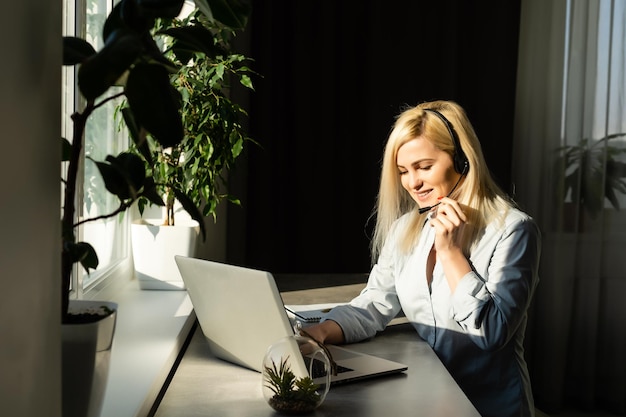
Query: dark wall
{"x": 334, "y": 74}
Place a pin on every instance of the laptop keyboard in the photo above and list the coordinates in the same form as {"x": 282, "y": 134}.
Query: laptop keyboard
{"x": 318, "y": 369}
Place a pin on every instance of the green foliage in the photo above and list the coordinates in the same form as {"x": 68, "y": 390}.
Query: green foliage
{"x": 132, "y": 58}
{"x": 291, "y": 394}
{"x": 307, "y": 390}
{"x": 591, "y": 173}
{"x": 194, "y": 169}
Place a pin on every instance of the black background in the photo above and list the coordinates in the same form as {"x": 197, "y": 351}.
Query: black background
{"x": 333, "y": 76}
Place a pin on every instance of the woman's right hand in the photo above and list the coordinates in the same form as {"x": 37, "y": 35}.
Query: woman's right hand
{"x": 326, "y": 332}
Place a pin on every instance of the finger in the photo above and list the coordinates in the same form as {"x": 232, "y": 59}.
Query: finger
{"x": 451, "y": 204}
{"x": 449, "y": 221}
{"x": 443, "y": 225}
{"x": 449, "y": 216}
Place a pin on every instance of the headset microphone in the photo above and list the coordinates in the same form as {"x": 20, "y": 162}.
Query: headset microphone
{"x": 423, "y": 210}
{"x": 461, "y": 164}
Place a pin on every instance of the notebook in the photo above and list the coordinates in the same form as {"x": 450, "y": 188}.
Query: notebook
{"x": 241, "y": 314}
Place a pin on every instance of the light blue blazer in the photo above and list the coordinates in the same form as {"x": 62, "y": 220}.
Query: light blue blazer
{"x": 478, "y": 331}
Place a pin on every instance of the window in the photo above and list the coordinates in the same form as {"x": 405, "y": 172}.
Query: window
{"x": 103, "y": 136}
{"x": 593, "y": 96}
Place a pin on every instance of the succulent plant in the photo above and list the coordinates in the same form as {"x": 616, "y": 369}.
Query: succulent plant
{"x": 292, "y": 395}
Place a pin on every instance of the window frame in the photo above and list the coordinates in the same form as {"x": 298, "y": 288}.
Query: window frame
{"x": 109, "y": 278}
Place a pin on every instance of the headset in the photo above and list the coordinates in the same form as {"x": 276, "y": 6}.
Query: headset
{"x": 459, "y": 160}
{"x": 461, "y": 164}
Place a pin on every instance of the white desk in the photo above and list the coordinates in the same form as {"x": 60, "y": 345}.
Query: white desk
{"x": 206, "y": 386}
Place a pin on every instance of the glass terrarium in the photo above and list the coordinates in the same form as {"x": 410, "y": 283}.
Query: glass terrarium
{"x": 296, "y": 375}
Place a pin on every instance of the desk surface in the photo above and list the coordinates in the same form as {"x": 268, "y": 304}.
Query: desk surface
{"x": 206, "y": 386}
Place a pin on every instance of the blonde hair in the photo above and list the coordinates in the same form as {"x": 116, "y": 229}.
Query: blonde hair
{"x": 478, "y": 192}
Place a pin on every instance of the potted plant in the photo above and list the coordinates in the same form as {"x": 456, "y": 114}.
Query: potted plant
{"x": 591, "y": 172}
{"x": 131, "y": 59}
{"x": 290, "y": 394}
{"x": 192, "y": 172}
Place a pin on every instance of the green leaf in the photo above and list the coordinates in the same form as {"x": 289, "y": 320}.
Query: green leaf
{"x": 89, "y": 258}
{"x": 593, "y": 193}
{"x": 141, "y": 205}
{"x": 113, "y": 21}
{"x": 571, "y": 182}
{"x": 84, "y": 253}
{"x": 123, "y": 175}
{"x": 191, "y": 208}
{"x": 154, "y": 103}
{"x": 237, "y": 147}
{"x": 220, "y": 70}
{"x": 612, "y": 196}
{"x": 137, "y": 134}
{"x": 151, "y": 192}
{"x": 76, "y": 50}
{"x": 114, "y": 181}
{"x": 246, "y": 81}
{"x": 234, "y": 200}
{"x": 66, "y": 150}
{"x": 232, "y": 13}
{"x": 168, "y": 9}
{"x": 204, "y": 8}
{"x": 102, "y": 70}
{"x": 615, "y": 169}
{"x": 132, "y": 168}
{"x": 191, "y": 39}
{"x": 134, "y": 17}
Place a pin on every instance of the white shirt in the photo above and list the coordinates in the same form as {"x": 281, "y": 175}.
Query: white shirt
{"x": 478, "y": 331}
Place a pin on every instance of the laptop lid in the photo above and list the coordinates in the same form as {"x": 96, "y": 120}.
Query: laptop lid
{"x": 241, "y": 314}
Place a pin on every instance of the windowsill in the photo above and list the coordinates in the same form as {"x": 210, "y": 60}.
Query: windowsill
{"x": 151, "y": 329}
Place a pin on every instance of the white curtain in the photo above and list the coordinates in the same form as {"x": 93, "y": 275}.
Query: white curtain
{"x": 571, "y": 95}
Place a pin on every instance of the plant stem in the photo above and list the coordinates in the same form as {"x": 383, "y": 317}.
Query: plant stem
{"x": 67, "y": 220}
{"x": 169, "y": 207}
{"x": 69, "y": 204}
{"x": 122, "y": 207}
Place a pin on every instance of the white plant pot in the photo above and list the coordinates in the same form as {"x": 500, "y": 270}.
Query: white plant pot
{"x": 154, "y": 248}
{"x": 85, "y": 365}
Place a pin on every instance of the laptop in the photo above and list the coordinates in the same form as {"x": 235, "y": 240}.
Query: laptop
{"x": 241, "y": 314}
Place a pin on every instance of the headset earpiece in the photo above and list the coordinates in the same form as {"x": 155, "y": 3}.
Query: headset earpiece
{"x": 461, "y": 164}
{"x": 464, "y": 162}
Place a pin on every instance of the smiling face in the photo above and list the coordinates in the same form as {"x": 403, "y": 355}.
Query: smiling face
{"x": 426, "y": 172}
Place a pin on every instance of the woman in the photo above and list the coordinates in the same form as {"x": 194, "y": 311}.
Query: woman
{"x": 455, "y": 254}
